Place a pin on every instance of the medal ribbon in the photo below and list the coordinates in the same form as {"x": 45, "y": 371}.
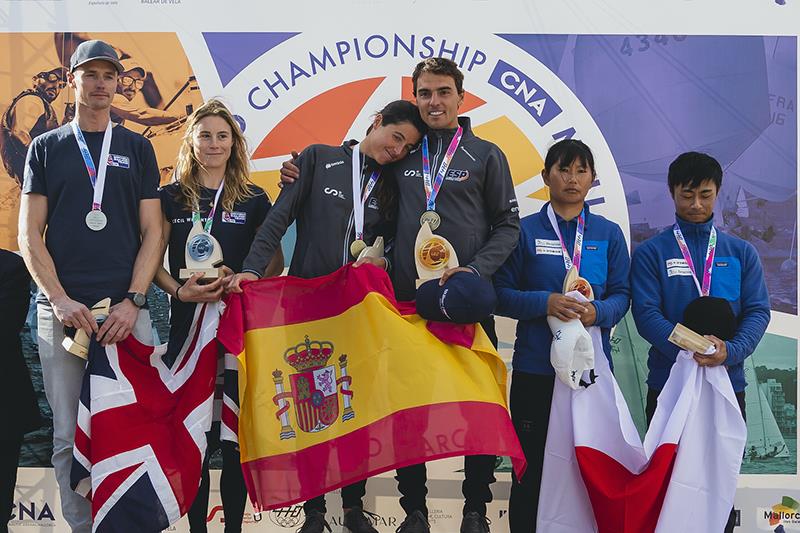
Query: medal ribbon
{"x": 705, "y": 289}
{"x": 576, "y": 254}
{"x": 432, "y": 186}
{"x": 96, "y": 176}
{"x": 210, "y": 218}
{"x": 358, "y": 206}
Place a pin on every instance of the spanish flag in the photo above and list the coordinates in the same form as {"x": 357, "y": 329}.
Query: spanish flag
{"x": 339, "y": 382}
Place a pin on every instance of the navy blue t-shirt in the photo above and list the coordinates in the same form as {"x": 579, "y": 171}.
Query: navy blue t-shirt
{"x": 234, "y": 230}
{"x": 92, "y": 265}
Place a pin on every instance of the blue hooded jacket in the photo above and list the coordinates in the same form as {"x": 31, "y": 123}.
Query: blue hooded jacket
{"x": 536, "y": 269}
{"x": 663, "y": 286}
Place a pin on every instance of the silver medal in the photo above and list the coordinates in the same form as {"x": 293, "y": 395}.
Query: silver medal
{"x": 432, "y": 218}
{"x": 96, "y": 220}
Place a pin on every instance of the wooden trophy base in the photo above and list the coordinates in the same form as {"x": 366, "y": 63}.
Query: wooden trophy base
{"x": 79, "y": 345}
{"x": 689, "y": 340}
{"x": 208, "y": 274}
{"x": 376, "y": 250}
{"x": 425, "y": 280}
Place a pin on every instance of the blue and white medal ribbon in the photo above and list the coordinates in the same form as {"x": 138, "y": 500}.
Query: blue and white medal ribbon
{"x": 95, "y": 219}
{"x": 359, "y": 199}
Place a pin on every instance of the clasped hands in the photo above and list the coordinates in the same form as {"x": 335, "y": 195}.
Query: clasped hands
{"x": 566, "y": 308}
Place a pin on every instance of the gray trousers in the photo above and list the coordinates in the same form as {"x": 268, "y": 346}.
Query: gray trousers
{"x": 63, "y": 377}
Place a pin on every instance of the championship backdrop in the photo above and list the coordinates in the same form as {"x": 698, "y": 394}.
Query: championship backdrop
{"x": 639, "y": 86}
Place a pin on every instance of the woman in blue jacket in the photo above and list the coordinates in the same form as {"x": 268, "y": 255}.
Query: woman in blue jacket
{"x": 529, "y": 289}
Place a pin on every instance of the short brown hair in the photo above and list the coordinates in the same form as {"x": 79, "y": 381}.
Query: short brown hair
{"x": 441, "y": 66}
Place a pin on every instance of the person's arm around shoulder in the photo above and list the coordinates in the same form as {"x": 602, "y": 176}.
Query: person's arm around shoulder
{"x": 612, "y": 308}
{"x": 646, "y": 302}
{"x": 755, "y": 313}
{"x": 31, "y": 226}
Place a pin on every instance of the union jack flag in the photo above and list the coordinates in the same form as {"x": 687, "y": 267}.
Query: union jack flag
{"x": 228, "y": 392}
{"x": 142, "y": 422}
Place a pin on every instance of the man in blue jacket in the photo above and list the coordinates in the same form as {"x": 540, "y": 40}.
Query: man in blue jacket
{"x": 691, "y": 259}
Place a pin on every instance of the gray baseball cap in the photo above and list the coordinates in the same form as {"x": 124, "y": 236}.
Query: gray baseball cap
{"x": 91, "y": 50}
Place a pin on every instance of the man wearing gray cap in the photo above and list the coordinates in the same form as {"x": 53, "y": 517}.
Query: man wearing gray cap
{"x": 103, "y": 240}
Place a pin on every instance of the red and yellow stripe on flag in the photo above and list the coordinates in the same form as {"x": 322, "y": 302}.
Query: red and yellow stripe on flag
{"x": 339, "y": 383}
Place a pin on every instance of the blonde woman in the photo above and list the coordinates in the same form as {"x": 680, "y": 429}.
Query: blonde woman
{"x": 213, "y": 185}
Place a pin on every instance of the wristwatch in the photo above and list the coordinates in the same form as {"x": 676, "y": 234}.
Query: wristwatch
{"x": 137, "y": 298}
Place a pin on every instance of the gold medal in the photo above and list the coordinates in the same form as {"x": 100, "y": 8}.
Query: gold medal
{"x": 357, "y": 246}
{"x": 434, "y": 254}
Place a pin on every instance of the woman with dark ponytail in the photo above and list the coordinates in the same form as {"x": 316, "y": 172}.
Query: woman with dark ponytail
{"x": 342, "y": 203}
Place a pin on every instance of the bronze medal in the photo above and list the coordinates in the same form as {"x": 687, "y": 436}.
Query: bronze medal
{"x": 357, "y": 246}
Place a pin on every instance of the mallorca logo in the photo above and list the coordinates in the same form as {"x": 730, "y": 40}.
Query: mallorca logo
{"x": 314, "y": 388}
{"x": 781, "y": 517}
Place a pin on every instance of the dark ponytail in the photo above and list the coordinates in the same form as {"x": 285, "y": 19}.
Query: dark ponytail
{"x": 395, "y": 112}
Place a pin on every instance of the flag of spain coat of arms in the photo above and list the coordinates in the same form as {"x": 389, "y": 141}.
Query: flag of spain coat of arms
{"x": 338, "y": 382}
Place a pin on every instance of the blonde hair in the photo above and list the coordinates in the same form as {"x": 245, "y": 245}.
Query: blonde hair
{"x": 237, "y": 172}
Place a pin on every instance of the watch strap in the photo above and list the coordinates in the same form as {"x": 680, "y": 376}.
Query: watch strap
{"x": 138, "y": 299}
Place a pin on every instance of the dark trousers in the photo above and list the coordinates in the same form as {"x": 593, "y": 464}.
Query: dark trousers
{"x": 650, "y": 409}
{"x": 478, "y": 476}
{"x": 531, "y": 395}
{"x": 231, "y": 486}
{"x": 478, "y": 472}
{"x": 9, "y": 458}
{"x": 352, "y": 496}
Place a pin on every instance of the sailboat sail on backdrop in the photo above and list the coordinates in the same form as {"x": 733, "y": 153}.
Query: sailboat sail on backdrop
{"x": 764, "y": 437}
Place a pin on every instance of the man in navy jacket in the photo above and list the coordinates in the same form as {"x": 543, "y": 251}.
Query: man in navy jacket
{"x": 665, "y": 279}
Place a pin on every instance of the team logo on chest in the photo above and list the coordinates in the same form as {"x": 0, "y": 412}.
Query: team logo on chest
{"x": 455, "y": 174}
{"x": 314, "y": 389}
{"x": 120, "y": 161}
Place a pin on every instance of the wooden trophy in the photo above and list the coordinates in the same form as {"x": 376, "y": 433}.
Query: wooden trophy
{"x": 689, "y": 340}
{"x": 203, "y": 255}
{"x": 79, "y": 343}
{"x": 573, "y": 282}
{"x": 376, "y": 250}
{"x": 433, "y": 255}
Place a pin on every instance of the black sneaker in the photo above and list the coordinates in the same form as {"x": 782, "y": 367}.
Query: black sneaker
{"x": 355, "y": 521}
{"x": 474, "y": 522}
{"x": 416, "y": 522}
{"x": 315, "y": 523}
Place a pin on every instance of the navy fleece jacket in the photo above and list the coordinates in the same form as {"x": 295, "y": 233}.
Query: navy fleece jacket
{"x": 536, "y": 269}
{"x": 662, "y": 287}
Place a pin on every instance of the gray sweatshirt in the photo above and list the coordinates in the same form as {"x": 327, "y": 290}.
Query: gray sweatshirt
{"x": 321, "y": 202}
{"x": 476, "y": 203}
